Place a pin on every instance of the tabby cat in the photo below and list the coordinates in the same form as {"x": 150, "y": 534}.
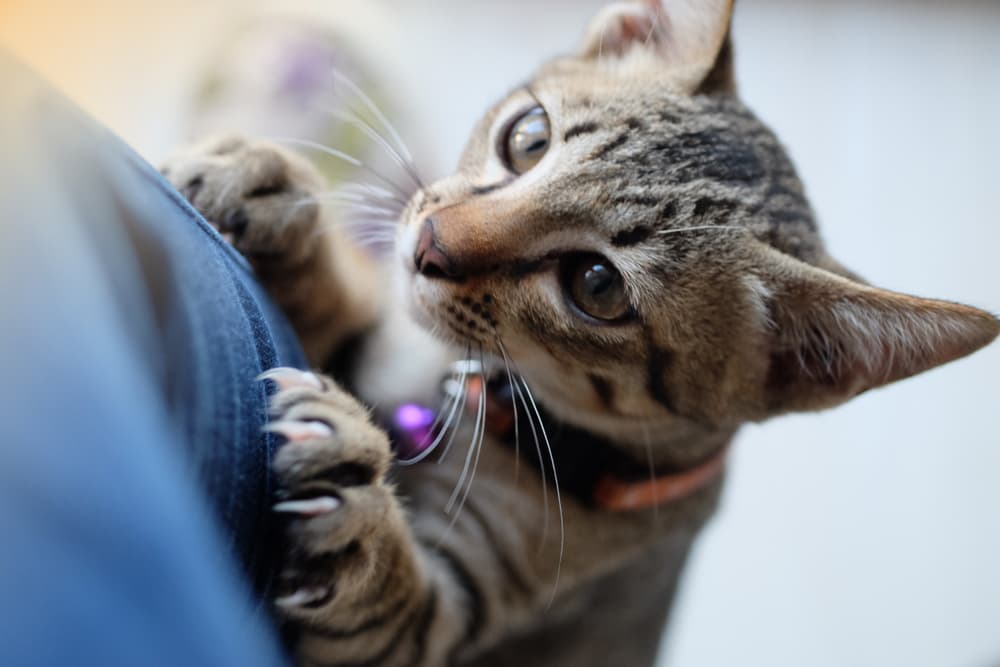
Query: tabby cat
{"x": 626, "y": 252}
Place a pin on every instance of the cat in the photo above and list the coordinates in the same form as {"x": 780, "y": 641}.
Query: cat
{"x": 627, "y": 259}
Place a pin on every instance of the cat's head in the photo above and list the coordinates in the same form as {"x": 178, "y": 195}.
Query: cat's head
{"x": 642, "y": 246}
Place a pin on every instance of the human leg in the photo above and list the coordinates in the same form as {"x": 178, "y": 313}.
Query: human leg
{"x": 131, "y": 336}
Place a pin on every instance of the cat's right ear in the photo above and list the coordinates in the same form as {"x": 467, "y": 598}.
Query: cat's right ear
{"x": 689, "y": 37}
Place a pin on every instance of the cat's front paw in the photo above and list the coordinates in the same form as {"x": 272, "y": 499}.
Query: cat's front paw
{"x": 260, "y": 197}
{"x": 345, "y": 531}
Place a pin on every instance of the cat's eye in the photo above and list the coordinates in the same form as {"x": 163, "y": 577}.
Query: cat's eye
{"x": 595, "y": 287}
{"x": 526, "y": 141}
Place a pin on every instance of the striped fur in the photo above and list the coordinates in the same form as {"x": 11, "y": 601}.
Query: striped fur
{"x": 736, "y": 313}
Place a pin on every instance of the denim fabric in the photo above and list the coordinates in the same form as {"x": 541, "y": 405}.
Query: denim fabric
{"x": 133, "y": 469}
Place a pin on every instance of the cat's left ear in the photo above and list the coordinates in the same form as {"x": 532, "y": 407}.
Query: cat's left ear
{"x": 690, "y": 37}
{"x": 828, "y": 338}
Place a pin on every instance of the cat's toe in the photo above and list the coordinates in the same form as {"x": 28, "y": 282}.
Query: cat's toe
{"x": 287, "y": 378}
{"x": 303, "y": 597}
{"x": 299, "y": 431}
{"x": 260, "y": 197}
{"x": 308, "y": 507}
{"x": 306, "y": 584}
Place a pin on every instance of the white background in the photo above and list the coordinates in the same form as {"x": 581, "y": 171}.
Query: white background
{"x": 865, "y": 536}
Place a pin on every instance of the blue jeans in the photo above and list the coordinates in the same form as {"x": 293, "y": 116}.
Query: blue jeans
{"x": 134, "y": 488}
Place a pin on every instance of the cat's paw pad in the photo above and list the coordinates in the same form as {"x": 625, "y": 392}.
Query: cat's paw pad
{"x": 259, "y": 196}
{"x": 333, "y": 497}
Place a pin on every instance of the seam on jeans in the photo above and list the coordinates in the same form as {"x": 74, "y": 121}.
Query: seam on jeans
{"x": 263, "y": 337}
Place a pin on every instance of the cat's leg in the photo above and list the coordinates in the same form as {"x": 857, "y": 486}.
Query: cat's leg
{"x": 358, "y": 583}
{"x": 266, "y": 201}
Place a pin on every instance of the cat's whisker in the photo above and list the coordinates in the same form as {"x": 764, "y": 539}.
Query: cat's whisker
{"x": 341, "y": 155}
{"x": 555, "y": 483}
{"x": 358, "y": 232}
{"x": 372, "y": 239}
{"x": 467, "y": 466}
{"x": 453, "y": 400}
{"x": 538, "y": 450}
{"x": 353, "y": 210}
{"x": 365, "y": 224}
{"x": 358, "y": 226}
{"x": 452, "y": 390}
{"x": 352, "y": 220}
{"x": 374, "y": 242}
{"x": 459, "y": 394}
{"x": 367, "y": 101}
{"x": 371, "y": 190}
{"x": 346, "y": 195}
{"x": 667, "y": 232}
{"x": 461, "y": 408}
{"x": 357, "y": 202}
{"x": 352, "y": 216}
{"x": 478, "y": 445}
{"x": 358, "y": 237}
{"x": 373, "y": 134}
{"x": 356, "y": 194}
{"x": 513, "y": 402}
{"x": 649, "y": 33}
{"x": 362, "y": 236}
{"x": 348, "y": 209}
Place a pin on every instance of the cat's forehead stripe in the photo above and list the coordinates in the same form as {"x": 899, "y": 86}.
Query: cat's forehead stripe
{"x": 580, "y": 129}
{"x": 605, "y": 149}
{"x": 633, "y": 236}
{"x": 711, "y": 153}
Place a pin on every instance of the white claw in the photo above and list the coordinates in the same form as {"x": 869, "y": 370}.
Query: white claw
{"x": 310, "y": 507}
{"x": 302, "y": 597}
{"x": 294, "y": 431}
{"x": 289, "y": 378}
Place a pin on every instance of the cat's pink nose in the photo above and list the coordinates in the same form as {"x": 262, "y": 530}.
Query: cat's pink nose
{"x": 430, "y": 259}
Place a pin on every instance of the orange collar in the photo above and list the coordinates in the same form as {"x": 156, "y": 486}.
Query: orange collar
{"x": 616, "y": 495}
{"x": 589, "y": 467}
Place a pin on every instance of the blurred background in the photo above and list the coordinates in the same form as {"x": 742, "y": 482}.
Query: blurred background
{"x": 866, "y": 536}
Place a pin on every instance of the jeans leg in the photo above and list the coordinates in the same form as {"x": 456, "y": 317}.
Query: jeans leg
{"x": 133, "y": 471}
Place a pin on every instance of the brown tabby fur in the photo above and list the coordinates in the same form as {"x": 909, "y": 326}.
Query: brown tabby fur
{"x": 741, "y": 315}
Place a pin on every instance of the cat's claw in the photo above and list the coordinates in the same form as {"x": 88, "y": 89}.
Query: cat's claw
{"x": 297, "y": 431}
{"x": 333, "y": 505}
{"x": 303, "y": 597}
{"x": 311, "y": 507}
{"x": 290, "y": 378}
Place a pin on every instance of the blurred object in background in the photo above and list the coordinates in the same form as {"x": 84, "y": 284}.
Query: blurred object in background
{"x": 274, "y": 77}
{"x": 305, "y": 84}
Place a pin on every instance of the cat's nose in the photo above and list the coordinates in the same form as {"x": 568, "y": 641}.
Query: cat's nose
{"x": 430, "y": 258}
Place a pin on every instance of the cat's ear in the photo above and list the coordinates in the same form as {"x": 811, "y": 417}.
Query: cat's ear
{"x": 691, "y": 37}
{"x": 829, "y": 338}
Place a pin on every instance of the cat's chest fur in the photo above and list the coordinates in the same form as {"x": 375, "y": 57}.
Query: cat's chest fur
{"x": 616, "y": 619}
{"x": 616, "y": 572}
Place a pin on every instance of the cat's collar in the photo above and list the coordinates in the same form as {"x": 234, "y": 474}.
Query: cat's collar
{"x": 589, "y": 467}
